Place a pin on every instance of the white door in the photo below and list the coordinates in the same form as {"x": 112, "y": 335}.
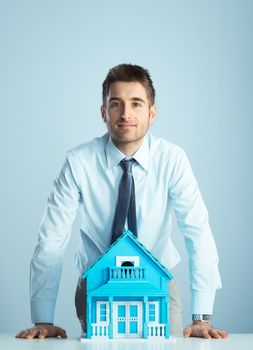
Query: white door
{"x": 127, "y": 319}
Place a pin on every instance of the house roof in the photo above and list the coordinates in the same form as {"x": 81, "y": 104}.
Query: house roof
{"x": 119, "y": 289}
{"x": 129, "y": 234}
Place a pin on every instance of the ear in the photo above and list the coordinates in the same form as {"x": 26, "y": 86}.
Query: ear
{"x": 103, "y": 113}
{"x": 152, "y": 114}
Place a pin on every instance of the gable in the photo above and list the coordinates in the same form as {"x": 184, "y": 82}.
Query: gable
{"x": 126, "y": 245}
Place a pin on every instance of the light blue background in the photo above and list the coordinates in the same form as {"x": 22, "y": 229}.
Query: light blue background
{"x": 54, "y": 57}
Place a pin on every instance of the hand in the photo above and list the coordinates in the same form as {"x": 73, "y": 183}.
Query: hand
{"x": 204, "y": 330}
{"x": 42, "y": 331}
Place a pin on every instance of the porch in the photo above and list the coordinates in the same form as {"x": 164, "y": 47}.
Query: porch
{"x": 128, "y": 319}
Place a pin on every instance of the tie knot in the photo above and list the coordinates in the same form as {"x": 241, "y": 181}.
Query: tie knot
{"x": 126, "y": 164}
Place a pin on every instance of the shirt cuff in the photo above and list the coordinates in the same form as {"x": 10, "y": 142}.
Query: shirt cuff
{"x": 42, "y": 311}
{"x": 202, "y": 302}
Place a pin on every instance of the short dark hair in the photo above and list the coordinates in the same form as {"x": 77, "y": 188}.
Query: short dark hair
{"x": 129, "y": 73}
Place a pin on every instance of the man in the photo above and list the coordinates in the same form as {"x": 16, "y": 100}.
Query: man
{"x": 163, "y": 181}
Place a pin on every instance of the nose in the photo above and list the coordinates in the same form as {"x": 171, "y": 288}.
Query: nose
{"x": 126, "y": 112}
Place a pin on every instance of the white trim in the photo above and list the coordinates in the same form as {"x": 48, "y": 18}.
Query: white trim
{"x": 98, "y": 311}
{"x": 156, "y": 331}
{"x": 127, "y": 319}
{"x": 99, "y": 330}
{"x": 156, "y": 311}
{"x": 134, "y": 259}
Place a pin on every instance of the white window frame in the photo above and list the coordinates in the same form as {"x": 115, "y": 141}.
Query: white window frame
{"x": 98, "y": 311}
{"x": 156, "y": 311}
{"x": 121, "y": 259}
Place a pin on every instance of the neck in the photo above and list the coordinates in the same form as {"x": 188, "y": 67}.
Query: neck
{"x": 128, "y": 148}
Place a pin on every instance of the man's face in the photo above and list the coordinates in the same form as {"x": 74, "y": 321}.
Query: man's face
{"x": 127, "y": 113}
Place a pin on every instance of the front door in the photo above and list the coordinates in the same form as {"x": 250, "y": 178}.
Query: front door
{"x": 127, "y": 319}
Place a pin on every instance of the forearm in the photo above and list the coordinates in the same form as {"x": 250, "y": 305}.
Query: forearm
{"x": 45, "y": 272}
{"x": 203, "y": 270}
{"x": 202, "y": 302}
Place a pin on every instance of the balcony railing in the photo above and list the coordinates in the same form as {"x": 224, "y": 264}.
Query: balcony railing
{"x": 99, "y": 330}
{"x": 156, "y": 330}
{"x": 126, "y": 273}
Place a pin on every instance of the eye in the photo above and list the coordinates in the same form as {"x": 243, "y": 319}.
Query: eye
{"x": 137, "y": 104}
{"x": 114, "y": 104}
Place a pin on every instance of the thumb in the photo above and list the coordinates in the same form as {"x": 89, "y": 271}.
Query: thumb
{"x": 187, "y": 332}
{"x": 62, "y": 333}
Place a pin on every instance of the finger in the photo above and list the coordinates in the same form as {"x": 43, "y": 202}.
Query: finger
{"x": 43, "y": 333}
{"x": 24, "y": 334}
{"x": 205, "y": 334}
{"x": 18, "y": 335}
{"x": 222, "y": 333}
{"x": 60, "y": 332}
{"x": 187, "y": 332}
{"x": 214, "y": 333}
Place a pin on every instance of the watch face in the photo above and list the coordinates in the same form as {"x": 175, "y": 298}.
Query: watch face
{"x": 200, "y": 317}
{"x": 206, "y": 317}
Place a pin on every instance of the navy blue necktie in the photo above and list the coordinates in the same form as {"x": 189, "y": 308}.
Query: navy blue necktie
{"x": 125, "y": 209}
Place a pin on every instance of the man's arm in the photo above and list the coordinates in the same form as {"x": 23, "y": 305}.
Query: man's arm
{"x": 46, "y": 263}
{"x": 192, "y": 219}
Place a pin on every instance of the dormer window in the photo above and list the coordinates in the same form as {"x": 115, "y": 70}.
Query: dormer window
{"x": 127, "y": 261}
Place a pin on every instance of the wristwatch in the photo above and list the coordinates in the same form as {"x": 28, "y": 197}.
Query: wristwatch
{"x": 202, "y": 317}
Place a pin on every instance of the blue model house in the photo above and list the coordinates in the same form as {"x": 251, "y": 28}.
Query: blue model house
{"x": 127, "y": 293}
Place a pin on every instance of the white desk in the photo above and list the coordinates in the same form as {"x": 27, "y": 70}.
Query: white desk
{"x": 235, "y": 342}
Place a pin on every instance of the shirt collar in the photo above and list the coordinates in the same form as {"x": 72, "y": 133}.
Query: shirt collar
{"x": 114, "y": 155}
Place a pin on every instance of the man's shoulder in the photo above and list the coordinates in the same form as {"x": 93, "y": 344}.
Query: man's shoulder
{"x": 90, "y": 148}
{"x": 162, "y": 147}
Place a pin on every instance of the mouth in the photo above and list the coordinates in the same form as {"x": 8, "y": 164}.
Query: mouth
{"x": 126, "y": 125}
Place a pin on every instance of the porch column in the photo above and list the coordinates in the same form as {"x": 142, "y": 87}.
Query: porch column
{"x": 167, "y": 320}
{"x": 145, "y": 317}
{"x": 88, "y": 317}
{"x": 110, "y": 318}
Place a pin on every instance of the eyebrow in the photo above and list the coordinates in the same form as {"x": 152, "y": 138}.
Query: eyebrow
{"x": 132, "y": 99}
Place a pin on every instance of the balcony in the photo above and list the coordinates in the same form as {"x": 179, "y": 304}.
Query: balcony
{"x": 126, "y": 273}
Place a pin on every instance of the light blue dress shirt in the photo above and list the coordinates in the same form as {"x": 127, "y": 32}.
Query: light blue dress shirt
{"x": 89, "y": 180}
